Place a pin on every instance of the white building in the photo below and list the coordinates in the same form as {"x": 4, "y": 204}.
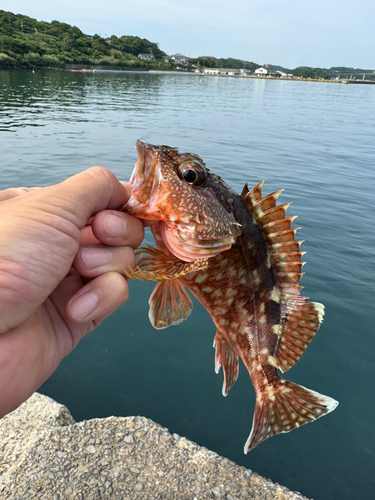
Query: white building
{"x": 232, "y": 72}
{"x": 147, "y": 57}
{"x": 211, "y": 71}
{"x": 284, "y": 75}
{"x": 265, "y": 71}
{"x": 179, "y": 59}
{"x": 221, "y": 71}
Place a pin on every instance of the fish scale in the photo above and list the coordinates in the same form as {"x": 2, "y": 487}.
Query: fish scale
{"x": 238, "y": 255}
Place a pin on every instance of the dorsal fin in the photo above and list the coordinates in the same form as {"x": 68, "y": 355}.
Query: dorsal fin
{"x": 299, "y": 324}
{"x": 283, "y": 248}
{"x": 300, "y": 319}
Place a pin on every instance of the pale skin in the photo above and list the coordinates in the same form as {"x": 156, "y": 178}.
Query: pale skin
{"x": 62, "y": 252}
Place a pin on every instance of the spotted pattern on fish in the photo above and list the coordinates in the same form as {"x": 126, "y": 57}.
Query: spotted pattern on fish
{"x": 249, "y": 283}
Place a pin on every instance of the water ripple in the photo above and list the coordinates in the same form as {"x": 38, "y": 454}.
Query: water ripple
{"x": 314, "y": 140}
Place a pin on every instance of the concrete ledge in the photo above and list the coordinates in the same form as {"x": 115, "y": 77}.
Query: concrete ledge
{"x": 44, "y": 454}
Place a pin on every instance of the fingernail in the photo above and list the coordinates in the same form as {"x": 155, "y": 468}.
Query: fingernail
{"x": 115, "y": 226}
{"x": 95, "y": 257}
{"x": 84, "y": 305}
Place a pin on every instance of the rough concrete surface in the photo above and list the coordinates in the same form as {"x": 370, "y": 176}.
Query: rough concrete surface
{"x": 45, "y": 454}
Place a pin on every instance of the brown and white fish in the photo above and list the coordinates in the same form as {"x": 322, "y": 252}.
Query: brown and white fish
{"x": 238, "y": 256}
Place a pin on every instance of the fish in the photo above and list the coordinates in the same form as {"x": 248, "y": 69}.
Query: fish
{"x": 238, "y": 255}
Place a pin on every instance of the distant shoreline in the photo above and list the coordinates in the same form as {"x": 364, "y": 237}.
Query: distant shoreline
{"x": 162, "y": 72}
{"x": 189, "y": 73}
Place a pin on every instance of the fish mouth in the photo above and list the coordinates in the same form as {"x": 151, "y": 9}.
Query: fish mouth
{"x": 139, "y": 167}
{"x": 144, "y": 179}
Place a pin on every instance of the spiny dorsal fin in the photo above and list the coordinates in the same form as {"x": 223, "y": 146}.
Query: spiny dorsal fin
{"x": 300, "y": 319}
{"x": 283, "y": 248}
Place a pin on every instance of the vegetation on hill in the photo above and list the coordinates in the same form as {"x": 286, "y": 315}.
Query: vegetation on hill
{"x": 212, "y": 62}
{"x": 324, "y": 73}
{"x": 306, "y": 72}
{"x": 26, "y": 42}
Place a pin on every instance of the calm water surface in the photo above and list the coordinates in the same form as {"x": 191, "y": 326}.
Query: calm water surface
{"x": 314, "y": 140}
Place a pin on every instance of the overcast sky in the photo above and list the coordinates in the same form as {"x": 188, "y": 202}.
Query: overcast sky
{"x": 290, "y": 33}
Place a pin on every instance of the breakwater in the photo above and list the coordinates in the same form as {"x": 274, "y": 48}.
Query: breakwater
{"x": 45, "y": 454}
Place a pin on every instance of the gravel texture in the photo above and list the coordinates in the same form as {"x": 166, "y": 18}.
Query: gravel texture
{"x": 44, "y": 454}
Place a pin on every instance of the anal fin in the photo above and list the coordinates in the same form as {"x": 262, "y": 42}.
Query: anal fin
{"x": 169, "y": 304}
{"x": 284, "y": 407}
{"x": 226, "y": 357}
{"x": 300, "y": 322}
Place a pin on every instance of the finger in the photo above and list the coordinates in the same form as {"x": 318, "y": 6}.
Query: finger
{"x": 7, "y": 194}
{"x": 117, "y": 228}
{"x": 98, "y": 299}
{"x": 127, "y": 186}
{"x": 92, "y": 261}
{"x": 148, "y": 223}
{"x": 87, "y": 193}
{"x": 87, "y": 237}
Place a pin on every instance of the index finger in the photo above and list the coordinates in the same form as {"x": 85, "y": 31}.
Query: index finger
{"x": 87, "y": 193}
{"x": 7, "y": 194}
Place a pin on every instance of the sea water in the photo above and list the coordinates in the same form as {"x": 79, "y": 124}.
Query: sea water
{"x": 315, "y": 140}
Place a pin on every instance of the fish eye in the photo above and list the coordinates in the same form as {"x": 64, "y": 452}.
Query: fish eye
{"x": 192, "y": 172}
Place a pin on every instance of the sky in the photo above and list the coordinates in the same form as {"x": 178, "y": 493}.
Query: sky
{"x": 288, "y": 33}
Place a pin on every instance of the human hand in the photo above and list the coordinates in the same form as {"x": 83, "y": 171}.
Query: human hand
{"x": 62, "y": 252}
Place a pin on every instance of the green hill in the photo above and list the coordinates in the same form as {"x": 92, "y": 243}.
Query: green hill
{"x": 28, "y": 43}
{"x": 213, "y": 62}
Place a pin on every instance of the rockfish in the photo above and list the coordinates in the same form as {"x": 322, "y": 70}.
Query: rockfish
{"x": 238, "y": 256}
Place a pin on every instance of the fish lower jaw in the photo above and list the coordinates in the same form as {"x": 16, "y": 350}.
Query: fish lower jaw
{"x": 132, "y": 203}
{"x": 140, "y": 209}
{"x": 134, "y": 175}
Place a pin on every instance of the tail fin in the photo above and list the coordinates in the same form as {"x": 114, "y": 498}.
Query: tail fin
{"x": 284, "y": 407}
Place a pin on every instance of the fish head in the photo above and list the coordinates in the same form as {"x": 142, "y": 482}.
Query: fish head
{"x": 175, "y": 189}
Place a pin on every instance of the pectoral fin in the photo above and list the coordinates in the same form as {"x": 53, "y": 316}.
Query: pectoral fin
{"x": 155, "y": 265}
{"x": 169, "y": 304}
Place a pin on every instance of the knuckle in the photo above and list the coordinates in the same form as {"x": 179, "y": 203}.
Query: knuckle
{"x": 101, "y": 174}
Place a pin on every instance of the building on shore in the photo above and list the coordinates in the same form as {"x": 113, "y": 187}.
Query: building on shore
{"x": 268, "y": 70}
{"x": 180, "y": 59}
{"x": 221, "y": 71}
{"x": 265, "y": 70}
{"x": 146, "y": 57}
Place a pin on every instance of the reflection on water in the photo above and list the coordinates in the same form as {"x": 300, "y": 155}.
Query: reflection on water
{"x": 32, "y": 99}
{"x": 316, "y": 141}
